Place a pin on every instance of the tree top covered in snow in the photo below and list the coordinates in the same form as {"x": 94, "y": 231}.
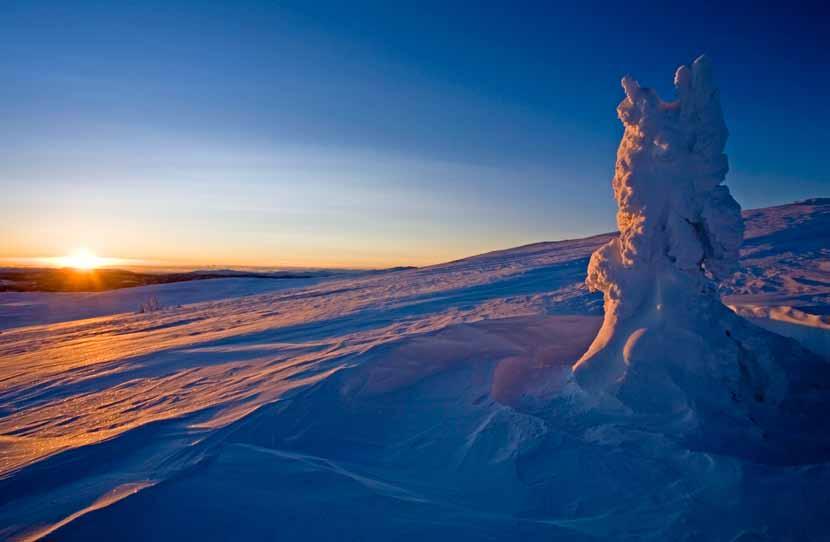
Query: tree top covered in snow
{"x": 673, "y": 210}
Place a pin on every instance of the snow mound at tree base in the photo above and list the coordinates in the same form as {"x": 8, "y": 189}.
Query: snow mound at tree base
{"x": 738, "y": 388}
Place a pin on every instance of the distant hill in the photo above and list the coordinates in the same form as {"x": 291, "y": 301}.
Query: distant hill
{"x": 97, "y": 280}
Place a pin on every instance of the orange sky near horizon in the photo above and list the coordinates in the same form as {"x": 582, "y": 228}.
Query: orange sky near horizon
{"x": 187, "y": 252}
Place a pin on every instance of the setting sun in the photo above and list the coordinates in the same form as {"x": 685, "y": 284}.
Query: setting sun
{"x": 82, "y": 259}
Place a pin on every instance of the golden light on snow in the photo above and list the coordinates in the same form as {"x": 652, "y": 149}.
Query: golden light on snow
{"x": 83, "y": 259}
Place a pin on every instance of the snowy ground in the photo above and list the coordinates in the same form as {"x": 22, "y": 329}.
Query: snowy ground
{"x": 389, "y": 407}
{"x": 29, "y": 308}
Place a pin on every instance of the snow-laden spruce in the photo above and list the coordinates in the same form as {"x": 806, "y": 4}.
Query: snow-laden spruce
{"x": 679, "y": 226}
{"x": 667, "y": 343}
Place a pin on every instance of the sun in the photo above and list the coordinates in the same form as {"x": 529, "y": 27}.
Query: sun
{"x": 82, "y": 259}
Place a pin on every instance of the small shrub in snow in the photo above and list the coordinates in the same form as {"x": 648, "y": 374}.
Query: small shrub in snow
{"x": 151, "y": 304}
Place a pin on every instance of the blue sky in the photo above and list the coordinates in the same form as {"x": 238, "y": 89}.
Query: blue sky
{"x": 368, "y": 134}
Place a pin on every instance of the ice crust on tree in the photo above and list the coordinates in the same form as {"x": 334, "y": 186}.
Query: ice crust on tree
{"x": 667, "y": 343}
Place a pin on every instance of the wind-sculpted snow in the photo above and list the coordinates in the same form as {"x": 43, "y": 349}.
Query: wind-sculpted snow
{"x": 77, "y": 391}
{"x": 393, "y": 406}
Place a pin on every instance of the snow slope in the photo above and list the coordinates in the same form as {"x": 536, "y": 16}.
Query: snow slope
{"x": 29, "y": 308}
{"x": 784, "y": 282}
{"x": 388, "y": 406}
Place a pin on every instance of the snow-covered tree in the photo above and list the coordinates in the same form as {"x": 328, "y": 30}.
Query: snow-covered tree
{"x": 667, "y": 342}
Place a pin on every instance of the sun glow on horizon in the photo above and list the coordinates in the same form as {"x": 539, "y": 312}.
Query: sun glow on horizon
{"x": 82, "y": 259}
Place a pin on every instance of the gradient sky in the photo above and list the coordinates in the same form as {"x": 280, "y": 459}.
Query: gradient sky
{"x": 370, "y": 134}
